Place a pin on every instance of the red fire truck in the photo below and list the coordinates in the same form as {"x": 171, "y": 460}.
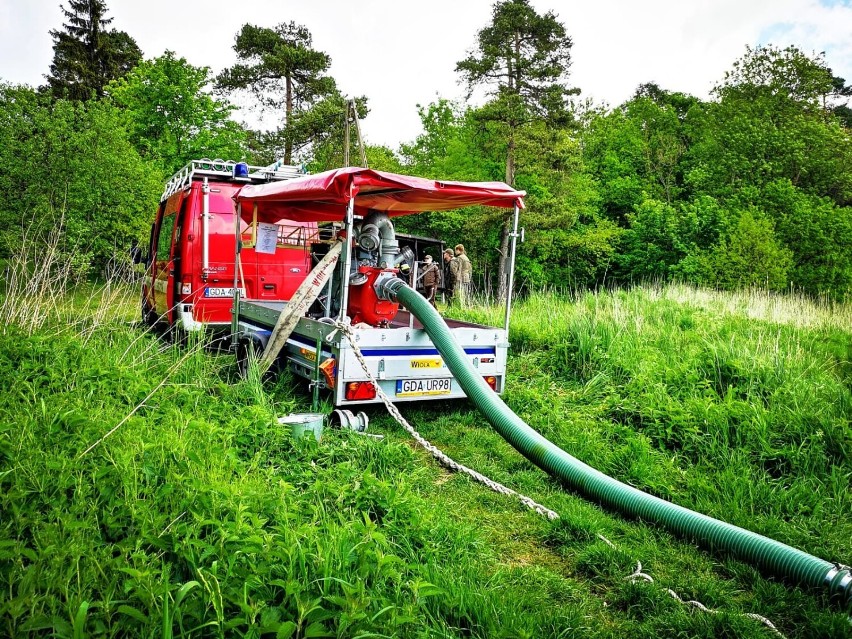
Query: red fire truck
{"x": 188, "y": 282}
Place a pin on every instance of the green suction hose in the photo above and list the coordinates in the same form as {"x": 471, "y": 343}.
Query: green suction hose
{"x": 776, "y": 558}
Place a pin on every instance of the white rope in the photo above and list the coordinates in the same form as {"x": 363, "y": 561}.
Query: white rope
{"x": 447, "y": 462}
{"x": 443, "y": 459}
{"x": 638, "y": 574}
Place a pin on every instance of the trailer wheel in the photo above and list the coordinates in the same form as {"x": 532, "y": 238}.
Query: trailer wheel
{"x": 245, "y": 354}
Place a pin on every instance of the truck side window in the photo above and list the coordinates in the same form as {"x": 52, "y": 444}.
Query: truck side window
{"x": 164, "y": 241}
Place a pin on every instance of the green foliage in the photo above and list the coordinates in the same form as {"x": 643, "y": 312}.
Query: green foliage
{"x": 664, "y": 241}
{"x": 70, "y": 166}
{"x": 171, "y": 117}
{"x": 676, "y": 173}
{"x": 769, "y": 124}
{"x": 577, "y": 258}
{"x": 818, "y": 232}
{"x": 200, "y": 516}
{"x": 87, "y": 57}
{"x": 751, "y": 256}
{"x": 637, "y": 150}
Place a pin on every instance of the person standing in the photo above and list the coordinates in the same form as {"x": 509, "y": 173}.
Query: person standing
{"x": 431, "y": 279}
{"x": 462, "y": 271}
{"x": 448, "y": 274}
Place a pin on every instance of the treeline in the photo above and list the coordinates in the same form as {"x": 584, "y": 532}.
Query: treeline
{"x": 750, "y": 187}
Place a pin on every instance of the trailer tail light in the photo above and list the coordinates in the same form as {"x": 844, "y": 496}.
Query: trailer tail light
{"x": 491, "y": 381}
{"x": 359, "y": 391}
{"x": 329, "y": 370}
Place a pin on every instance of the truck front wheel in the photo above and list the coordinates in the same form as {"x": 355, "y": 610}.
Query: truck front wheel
{"x": 149, "y": 315}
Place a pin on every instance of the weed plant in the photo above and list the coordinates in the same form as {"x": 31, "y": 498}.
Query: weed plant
{"x": 146, "y": 490}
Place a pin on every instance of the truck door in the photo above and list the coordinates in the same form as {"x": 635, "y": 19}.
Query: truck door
{"x": 163, "y": 262}
{"x": 163, "y": 267}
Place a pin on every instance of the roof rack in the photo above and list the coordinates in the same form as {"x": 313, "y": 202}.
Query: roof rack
{"x": 223, "y": 169}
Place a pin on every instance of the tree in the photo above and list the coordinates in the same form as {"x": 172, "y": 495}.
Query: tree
{"x": 86, "y": 57}
{"x": 637, "y": 150}
{"x": 171, "y": 117}
{"x": 770, "y": 123}
{"x": 97, "y": 189}
{"x": 523, "y": 59}
{"x": 283, "y": 72}
{"x": 818, "y": 232}
{"x": 750, "y": 255}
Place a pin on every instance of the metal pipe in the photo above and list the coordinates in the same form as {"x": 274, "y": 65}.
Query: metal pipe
{"x": 414, "y": 286}
{"x": 235, "y": 307}
{"x": 205, "y": 229}
{"x": 377, "y": 225}
{"x": 347, "y": 260}
{"x": 511, "y": 283}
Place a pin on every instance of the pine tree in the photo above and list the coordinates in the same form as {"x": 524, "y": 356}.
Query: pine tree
{"x": 280, "y": 68}
{"x": 87, "y": 56}
{"x": 522, "y": 59}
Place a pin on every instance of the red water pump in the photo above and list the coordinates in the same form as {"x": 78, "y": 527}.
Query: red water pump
{"x": 365, "y": 305}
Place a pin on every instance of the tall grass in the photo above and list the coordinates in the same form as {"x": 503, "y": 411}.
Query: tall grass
{"x": 147, "y": 490}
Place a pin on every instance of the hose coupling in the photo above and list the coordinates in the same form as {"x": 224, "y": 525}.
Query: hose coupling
{"x": 387, "y": 288}
{"x": 838, "y": 580}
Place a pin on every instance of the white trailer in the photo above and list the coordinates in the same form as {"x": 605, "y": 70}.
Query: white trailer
{"x": 401, "y": 357}
{"x": 397, "y": 351}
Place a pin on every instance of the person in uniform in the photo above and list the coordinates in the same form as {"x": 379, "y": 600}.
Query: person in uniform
{"x": 431, "y": 279}
{"x": 448, "y": 274}
{"x": 462, "y": 271}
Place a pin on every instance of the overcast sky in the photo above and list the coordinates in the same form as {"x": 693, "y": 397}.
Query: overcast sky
{"x": 400, "y": 53}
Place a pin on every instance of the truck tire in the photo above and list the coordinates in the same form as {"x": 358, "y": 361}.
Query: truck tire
{"x": 149, "y": 316}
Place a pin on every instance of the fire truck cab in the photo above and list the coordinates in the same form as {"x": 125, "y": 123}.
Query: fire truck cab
{"x": 190, "y": 266}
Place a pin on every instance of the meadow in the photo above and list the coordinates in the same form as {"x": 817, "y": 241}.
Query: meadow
{"x": 147, "y": 491}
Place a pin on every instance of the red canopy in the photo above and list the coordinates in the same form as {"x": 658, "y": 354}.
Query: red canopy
{"x": 324, "y": 196}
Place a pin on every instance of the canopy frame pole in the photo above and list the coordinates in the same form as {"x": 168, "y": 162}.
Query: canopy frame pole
{"x": 235, "y": 307}
{"x": 347, "y": 260}
{"x": 205, "y": 229}
{"x": 346, "y": 136}
{"x": 514, "y": 235}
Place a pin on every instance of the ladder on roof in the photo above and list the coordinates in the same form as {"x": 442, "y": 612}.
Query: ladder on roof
{"x": 223, "y": 169}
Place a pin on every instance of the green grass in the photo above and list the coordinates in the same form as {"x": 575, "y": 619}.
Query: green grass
{"x": 200, "y": 517}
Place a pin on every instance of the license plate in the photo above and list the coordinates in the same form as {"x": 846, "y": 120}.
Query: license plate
{"x": 216, "y": 291}
{"x": 422, "y": 387}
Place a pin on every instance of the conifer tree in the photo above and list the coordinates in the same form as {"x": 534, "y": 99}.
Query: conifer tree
{"x": 280, "y": 68}
{"x": 87, "y": 56}
{"x": 522, "y": 58}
